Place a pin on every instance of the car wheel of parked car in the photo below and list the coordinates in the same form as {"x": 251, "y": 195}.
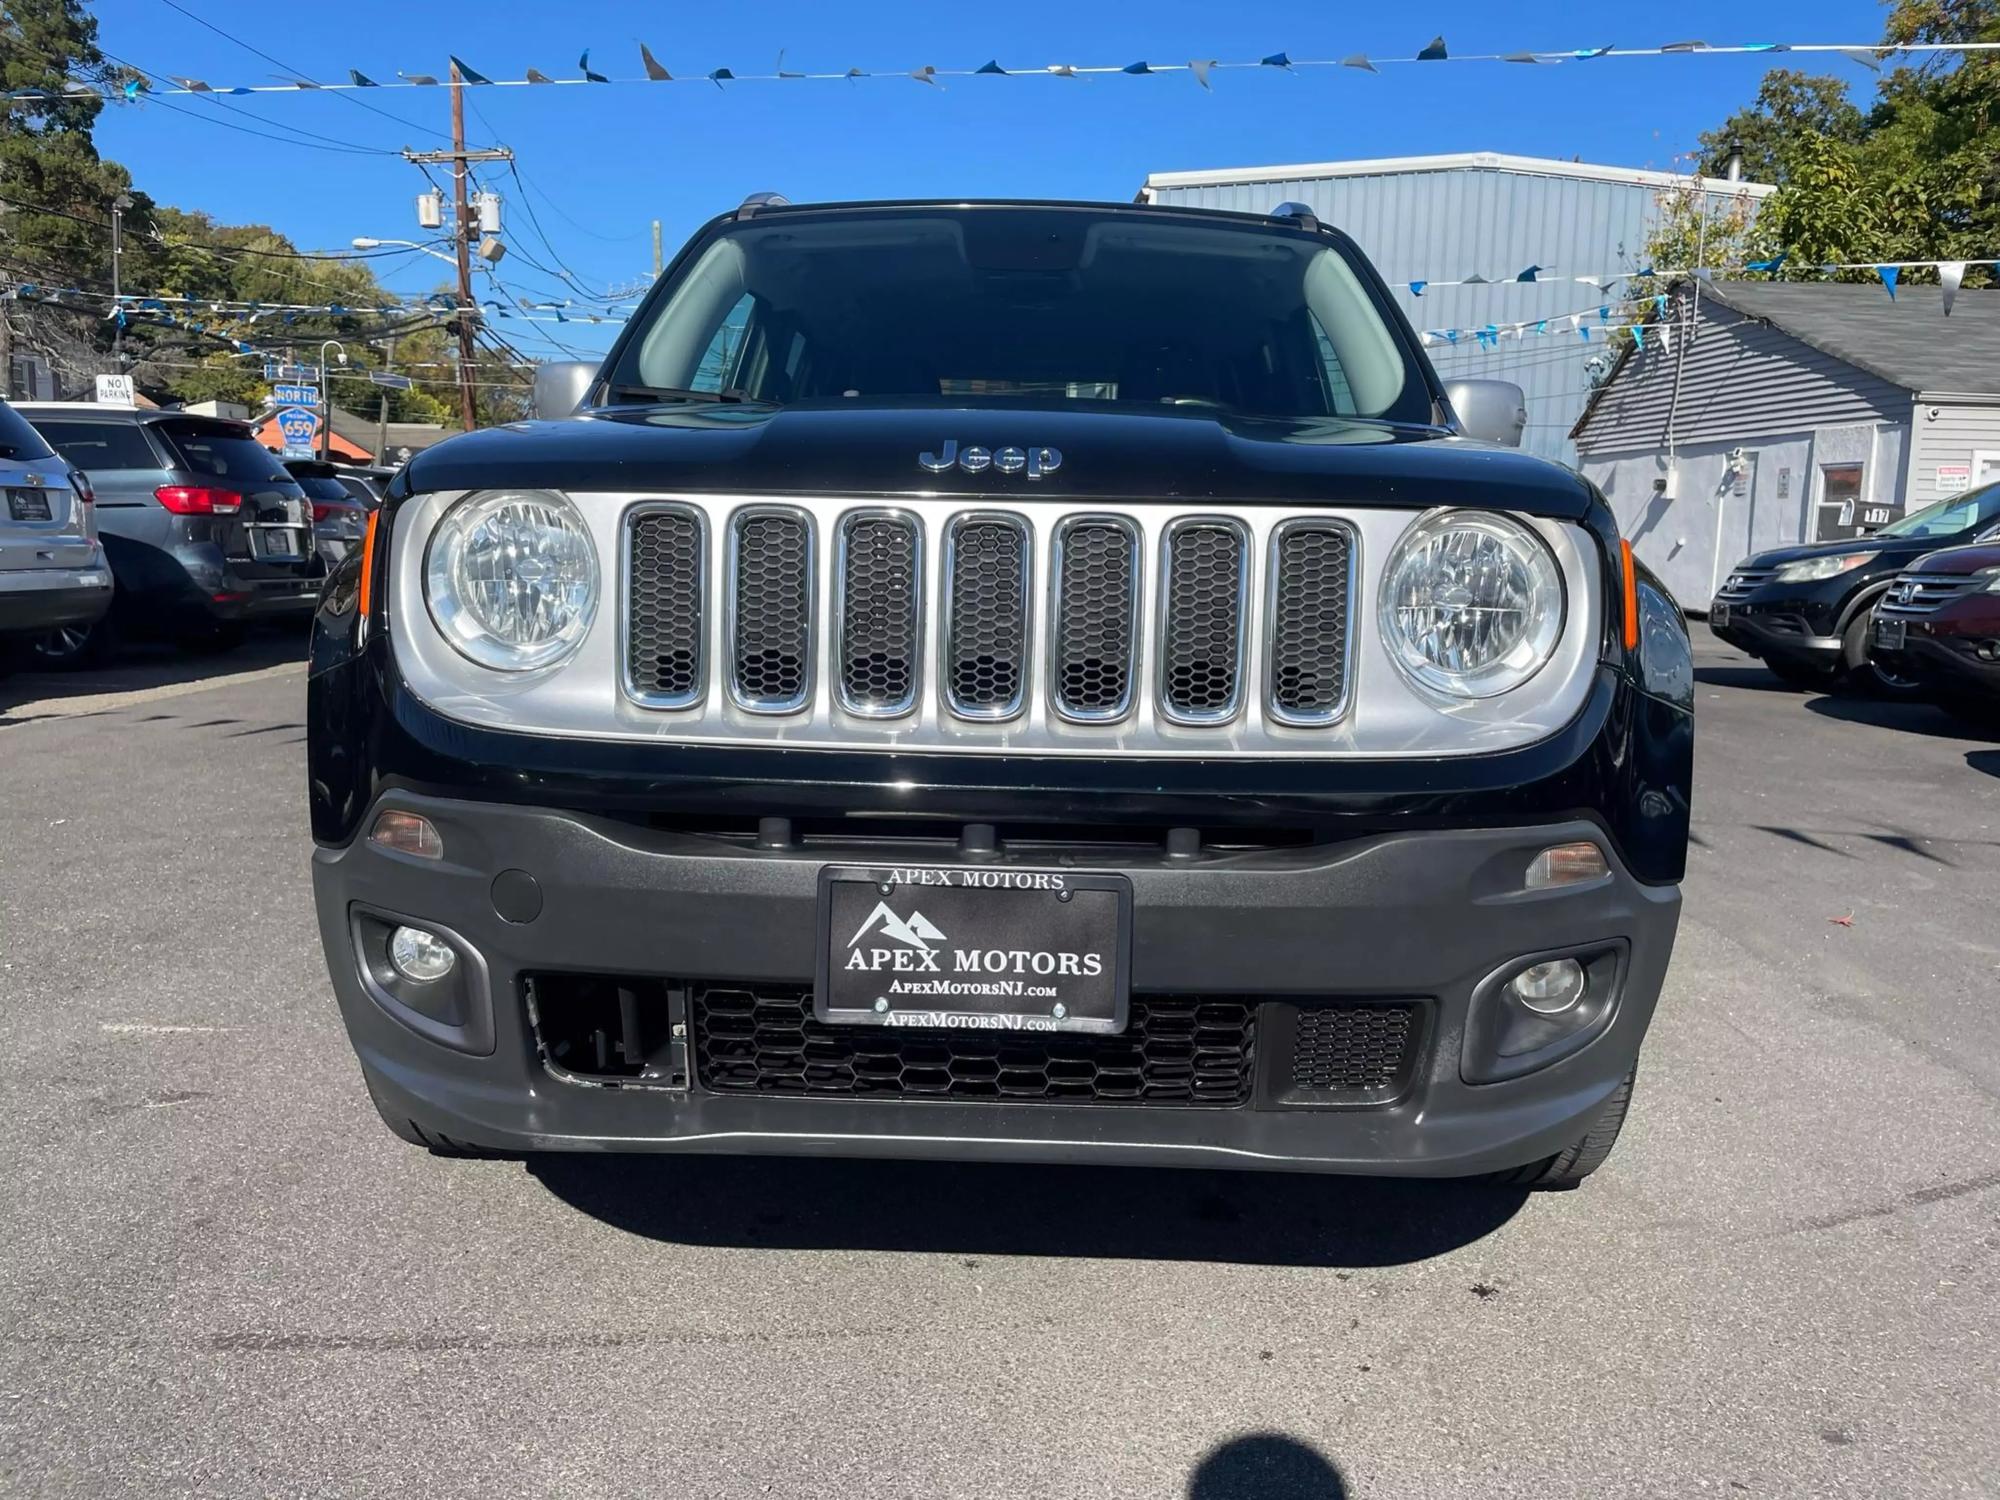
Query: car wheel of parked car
{"x": 1568, "y": 1168}
{"x": 70, "y": 648}
{"x": 1861, "y": 673}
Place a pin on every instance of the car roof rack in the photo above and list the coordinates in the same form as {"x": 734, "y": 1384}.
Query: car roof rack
{"x": 1301, "y": 213}
{"x": 750, "y": 205}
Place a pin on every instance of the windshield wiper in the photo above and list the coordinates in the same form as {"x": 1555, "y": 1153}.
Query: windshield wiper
{"x": 674, "y": 393}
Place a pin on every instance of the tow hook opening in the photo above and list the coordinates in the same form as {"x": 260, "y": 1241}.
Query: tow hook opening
{"x": 613, "y": 1031}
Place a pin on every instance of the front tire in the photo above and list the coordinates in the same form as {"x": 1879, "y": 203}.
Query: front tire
{"x": 1568, "y": 1168}
{"x": 72, "y": 648}
{"x": 1862, "y": 673}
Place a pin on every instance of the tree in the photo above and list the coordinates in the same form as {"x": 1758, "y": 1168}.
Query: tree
{"x": 1789, "y": 105}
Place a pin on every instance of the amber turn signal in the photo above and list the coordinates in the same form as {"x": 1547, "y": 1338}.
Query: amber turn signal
{"x": 1567, "y": 864}
{"x": 1631, "y": 595}
{"x": 407, "y": 833}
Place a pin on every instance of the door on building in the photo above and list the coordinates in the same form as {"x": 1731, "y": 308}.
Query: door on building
{"x": 1840, "y": 510}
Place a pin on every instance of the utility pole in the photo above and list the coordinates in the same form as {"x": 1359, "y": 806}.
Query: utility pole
{"x": 460, "y": 161}
{"x": 382, "y": 422}
{"x": 658, "y": 264}
{"x": 118, "y": 206}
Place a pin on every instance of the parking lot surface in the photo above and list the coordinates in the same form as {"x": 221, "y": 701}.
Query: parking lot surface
{"x": 219, "y": 1275}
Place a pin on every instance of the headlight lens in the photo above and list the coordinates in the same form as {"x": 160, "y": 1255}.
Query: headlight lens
{"x": 1472, "y": 603}
{"x": 512, "y": 578}
{"x": 1812, "y": 569}
{"x": 1992, "y": 577}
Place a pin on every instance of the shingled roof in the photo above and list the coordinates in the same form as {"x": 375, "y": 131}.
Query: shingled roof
{"x": 1907, "y": 340}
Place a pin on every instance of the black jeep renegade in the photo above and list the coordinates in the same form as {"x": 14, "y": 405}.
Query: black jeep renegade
{"x": 1044, "y": 682}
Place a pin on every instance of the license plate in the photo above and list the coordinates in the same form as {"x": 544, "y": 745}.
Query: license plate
{"x": 973, "y": 949}
{"x": 279, "y": 544}
{"x": 28, "y": 505}
{"x": 1718, "y": 614}
{"x": 1890, "y": 634}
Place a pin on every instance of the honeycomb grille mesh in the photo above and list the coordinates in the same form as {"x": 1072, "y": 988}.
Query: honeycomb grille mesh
{"x": 1201, "y": 635}
{"x": 1352, "y": 1048}
{"x": 771, "y": 644}
{"x": 1308, "y": 645}
{"x": 663, "y": 644}
{"x": 879, "y": 614}
{"x": 1095, "y": 620}
{"x": 1179, "y": 1050}
{"x": 987, "y": 617}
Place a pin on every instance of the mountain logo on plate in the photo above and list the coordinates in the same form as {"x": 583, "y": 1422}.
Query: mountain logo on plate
{"x": 913, "y": 930}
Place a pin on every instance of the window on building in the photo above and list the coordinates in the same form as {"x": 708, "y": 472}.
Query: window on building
{"x": 1841, "y": 510}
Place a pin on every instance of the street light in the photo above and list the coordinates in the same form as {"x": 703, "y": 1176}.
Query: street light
{"x": 367, "y": 242}
{"x": 326, "y": 396}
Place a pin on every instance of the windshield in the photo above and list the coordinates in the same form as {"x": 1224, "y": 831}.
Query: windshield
{"x": 1950, "y": 517}
{"x": 219, "y": 450}
{"x": 996, "y": 304}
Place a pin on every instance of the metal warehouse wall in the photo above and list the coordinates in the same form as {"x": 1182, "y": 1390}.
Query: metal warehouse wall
{"x": 1443, "y": 225}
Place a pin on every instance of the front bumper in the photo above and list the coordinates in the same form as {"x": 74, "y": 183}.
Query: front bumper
{"x": 38, "y": 599}
{"x": 1427, "y": 915}
{"x": 1799, "y": 628}
{"x": 1947, "y": 664}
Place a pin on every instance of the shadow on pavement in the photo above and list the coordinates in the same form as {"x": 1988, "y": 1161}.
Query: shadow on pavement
{"x": 1745, "y": 673}
{"x": 1137, "y": 1213}
{"x": 1266, "y": 1466}
{"x": 142, "y": 665}
{"x": 1984, "y": 760}
{"x": 1887, "y": 713}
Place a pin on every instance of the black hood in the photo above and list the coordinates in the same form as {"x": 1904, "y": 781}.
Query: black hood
{"x": 1896, "y": 549}
{"x": 1182, "y": 456}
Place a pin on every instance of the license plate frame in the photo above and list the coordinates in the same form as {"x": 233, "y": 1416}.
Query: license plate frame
{"x": 269, "y": 543}
{"x": 29, "y": 505}
{"x": 1718, "y": 614}
{"x": 953, "y": 951}
{"x": 1891, "y": 635}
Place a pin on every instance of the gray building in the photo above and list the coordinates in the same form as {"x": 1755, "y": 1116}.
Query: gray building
{"x": 1790, "y": 412}
{"x": 1444, "y": 218}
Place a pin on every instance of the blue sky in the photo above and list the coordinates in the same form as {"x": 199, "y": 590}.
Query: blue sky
{"x": 602, "y": 163}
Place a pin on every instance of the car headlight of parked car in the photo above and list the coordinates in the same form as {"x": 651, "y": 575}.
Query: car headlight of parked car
{"x": 1992, "y": 577}
{"x": 1472, "y": 603}
{"x": 511, "y": 579}
{"x": 1813, "y": 569}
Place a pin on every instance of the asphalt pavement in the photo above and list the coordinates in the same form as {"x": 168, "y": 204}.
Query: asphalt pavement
{"x": 219, "y": 1275}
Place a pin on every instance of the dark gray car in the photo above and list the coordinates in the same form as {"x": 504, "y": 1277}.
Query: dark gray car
{"x": 203, "y": 528}
{"x": 54, "y": 583}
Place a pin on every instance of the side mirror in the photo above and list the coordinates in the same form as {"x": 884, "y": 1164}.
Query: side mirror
{"x": 560, "y": 387}
{"x": 1494, "y": 411}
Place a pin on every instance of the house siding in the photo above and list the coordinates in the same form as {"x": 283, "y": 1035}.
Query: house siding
{"x": 1960, "y": 429}
{"x": 1739, "y": 381}
{"x": 1443, "y": 225}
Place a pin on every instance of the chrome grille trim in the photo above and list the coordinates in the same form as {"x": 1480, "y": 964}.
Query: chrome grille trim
{"x": 955, "y": 607}
{"x": 735, "y": 621}
{"x": 1177, "y": 598}
{"x": 1275, "y": 609}
{"x": 1743, "y": 582}
{"x": 1065, "y": 619}
{"x": 628, "y": 623}
{"x": 878, "y": 616}
{"x": 1931, "y": 592}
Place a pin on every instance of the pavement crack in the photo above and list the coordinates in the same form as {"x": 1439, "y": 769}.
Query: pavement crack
{"x": 1920, "y": 1198}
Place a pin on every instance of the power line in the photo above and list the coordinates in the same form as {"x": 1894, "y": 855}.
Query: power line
{"x": 337, "y": 256}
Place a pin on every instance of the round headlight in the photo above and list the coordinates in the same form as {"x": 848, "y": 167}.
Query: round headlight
{"x": 512, "y": 578}
{"x": 1472, "y": 603}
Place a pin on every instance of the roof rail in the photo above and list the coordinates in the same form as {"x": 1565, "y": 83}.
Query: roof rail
{"x": 1301, "y": 212}
{"x": 749, "y": 206}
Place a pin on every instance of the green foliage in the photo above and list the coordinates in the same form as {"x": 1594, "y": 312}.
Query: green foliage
{"x": 1789, "y": 104}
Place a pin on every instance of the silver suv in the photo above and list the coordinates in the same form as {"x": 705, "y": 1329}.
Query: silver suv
{"x": 203, "y": 528}
{"x": 54, "y": 584}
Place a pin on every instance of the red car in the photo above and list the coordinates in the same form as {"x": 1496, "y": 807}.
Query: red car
{"x": 1940, "y": 624}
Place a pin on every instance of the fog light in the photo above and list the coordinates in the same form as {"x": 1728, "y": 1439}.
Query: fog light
{"x": 424, "y": 956}
{"x": 1566, "y": 864}
{"x": 1548, "y": 989}
{"x": 407, "y": 833}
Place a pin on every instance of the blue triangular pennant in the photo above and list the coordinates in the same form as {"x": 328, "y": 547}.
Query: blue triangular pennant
{"x": 1889, "y": 275}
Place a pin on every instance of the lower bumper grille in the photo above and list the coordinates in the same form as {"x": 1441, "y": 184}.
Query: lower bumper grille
{"x": 1182, "y": 1050}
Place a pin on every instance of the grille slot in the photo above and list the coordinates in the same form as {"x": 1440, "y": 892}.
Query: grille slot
{"x": 770, "y": 633}
{"x": 1928, "y": 592}
{"x": 1177, "y": 1050}
{"x": 666, "y": 587}
{"x": 1096, "y": 617}
{"x": 1742, "y": 583}
{"x": 1201, "y": 620}
{"x": 988, "y": 563}
{"x": 1312, "y": 591}
{"x": 1353, "y": 1053}
{"x": 881, "y": 612}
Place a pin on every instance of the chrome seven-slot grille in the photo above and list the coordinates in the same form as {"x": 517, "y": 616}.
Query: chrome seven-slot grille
{"x": 1742, "y": 583}
{"x": 1926, "y": 593}
{"x": 1084, "y": 646}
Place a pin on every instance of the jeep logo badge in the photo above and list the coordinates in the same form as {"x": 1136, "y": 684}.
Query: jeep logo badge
{"x": 1035, "y": 462}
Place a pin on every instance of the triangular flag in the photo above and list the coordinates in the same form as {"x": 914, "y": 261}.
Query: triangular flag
{"x": 298, "y": 83}
{"x": 720, "y": 76}
{"x": 853, "y": 73}
{"x": 1519, "y": 57}
{"x": 1063, "y": 70}
{"x": 190, "y": 85}
{"x": 1583, "y": 333}
{"x": 1137, "y": 67}
{"x": 1863, "y": 56}
{"x": 470, "y": 75}
{"x": 536, "y": 75}
{"x": 1417, "y": 288}
{"x": 1685, "y": 47}
{"x": 1604, "y": 314}
{"x": 132, "y": 87}
{"x": 362, "y": 80}
{"x": 583, "y": 67}
{"x": 1529, "y": 274}
{"x": 1584, "y": 54}
{"x": 652, "y": 66}
{"x": 1950, "y": 274}
{"x": 1426, "y": 338}
{"x": 1276, "y": 60}
{"x": 1639, "y": 338}
{"x": 1765, "y": 265}
{"x": 1666, "y": 336}
{"x": 991, "y": 67}
{"x": 1201, "y": 71}
{"x": 1542, "y": 327}
{"x": 1475, "y": 279}
{"x": 927, "y": 74}
{"x": 1434, "y": 52}
{"x": 783, "y": 74}
{"x": 1359, "y": 60}
{"x": 1889, "y": 275}
{"x": 423, "y": 80}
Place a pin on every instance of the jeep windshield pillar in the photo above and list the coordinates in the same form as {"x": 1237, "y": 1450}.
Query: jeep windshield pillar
{"x": 927, "y": 703}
